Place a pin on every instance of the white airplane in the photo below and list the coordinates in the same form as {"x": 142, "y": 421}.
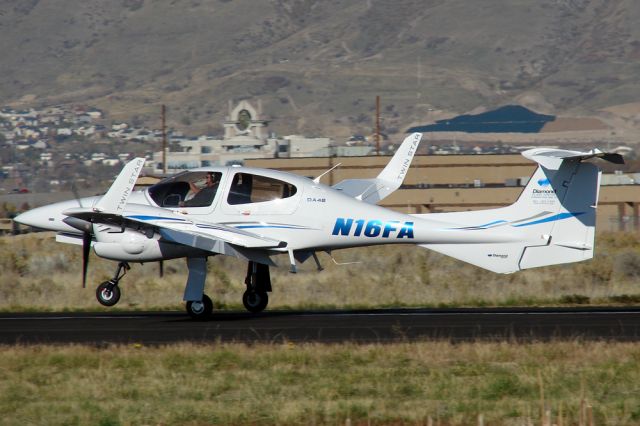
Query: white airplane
{"x": 260, "y": 214}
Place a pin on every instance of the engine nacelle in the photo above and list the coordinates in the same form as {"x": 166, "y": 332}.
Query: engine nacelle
{"x": 134, "y": 246}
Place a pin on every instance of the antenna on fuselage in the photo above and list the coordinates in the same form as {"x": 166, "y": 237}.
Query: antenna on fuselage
{"x": 164, "y": 140}
{"x": 329, "y": 252}
{"x": 317, "y": 180}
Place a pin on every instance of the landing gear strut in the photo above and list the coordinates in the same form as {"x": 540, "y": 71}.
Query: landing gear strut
{"x": 108, "y": 293}
{"x": 255, "y": 299}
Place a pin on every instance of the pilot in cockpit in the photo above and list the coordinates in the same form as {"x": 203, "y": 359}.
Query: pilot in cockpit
{"x": 203, "y": 196}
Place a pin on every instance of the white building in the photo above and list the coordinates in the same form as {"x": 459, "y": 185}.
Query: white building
{"x": 94, "y": 114}
{"x": 245, "y": 136}
{"x": 45, "y": 157}
{"x": 86, "y": 131}
{"x": 111, "y": 161}
{"x": 39, "y": 144}
{"x": 98, "y": 157}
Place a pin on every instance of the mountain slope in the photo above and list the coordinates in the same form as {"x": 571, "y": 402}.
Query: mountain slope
{"x": 318, "y": 65}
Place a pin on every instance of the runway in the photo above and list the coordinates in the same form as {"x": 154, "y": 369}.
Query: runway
{"x": 361, "y": 326}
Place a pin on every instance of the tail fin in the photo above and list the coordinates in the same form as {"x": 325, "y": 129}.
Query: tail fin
{"x": 390, "y": 178}
{"x": 117, "y": 196}
{"x": 553, "y": 220}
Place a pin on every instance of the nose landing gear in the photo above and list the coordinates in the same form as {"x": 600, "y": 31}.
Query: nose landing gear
{"x": 108, "y": 293}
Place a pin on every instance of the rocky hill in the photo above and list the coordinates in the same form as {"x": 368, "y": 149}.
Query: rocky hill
{"x": 317, "y": 66}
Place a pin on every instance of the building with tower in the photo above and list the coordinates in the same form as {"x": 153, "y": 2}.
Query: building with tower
{"x": 246, "y": 136}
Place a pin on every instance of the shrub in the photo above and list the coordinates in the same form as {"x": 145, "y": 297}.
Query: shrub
{"x": 575, "y": 299}
{"x": 627, "y": 299}
{"x": 627, "y": 265}
{"x": 597, "y": 271}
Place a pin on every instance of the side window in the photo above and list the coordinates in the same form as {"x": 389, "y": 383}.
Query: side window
{"x": 247, "y": 188}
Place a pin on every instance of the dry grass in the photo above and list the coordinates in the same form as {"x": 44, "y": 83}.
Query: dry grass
{"x": 40, "y": 274}
{"x": 319, "y": 384}
{"x": 314, "y": 383}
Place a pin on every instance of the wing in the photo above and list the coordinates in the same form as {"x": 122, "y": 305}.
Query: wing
{"x": 181, "y": 230}
{"x": 172, "y": 228}
{"x": 176, "y": 228}
{"x": 373, "y": 190}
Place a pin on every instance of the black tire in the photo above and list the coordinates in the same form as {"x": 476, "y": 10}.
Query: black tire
{"x": 200, "y": 310}
{"x": 255, "y": 301}
{"x": 108, "y": 293}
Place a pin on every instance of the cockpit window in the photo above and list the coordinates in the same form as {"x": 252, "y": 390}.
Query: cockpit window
{"x": 187, "y": 189}
{"x": 247, "y": 188}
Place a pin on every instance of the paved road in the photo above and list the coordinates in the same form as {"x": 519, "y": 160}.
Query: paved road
{"x": 380, "y": 325}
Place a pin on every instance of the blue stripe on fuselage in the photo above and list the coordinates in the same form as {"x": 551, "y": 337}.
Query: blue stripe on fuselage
{"x": 559, "y": 216}
{"x": 145, "y": 217}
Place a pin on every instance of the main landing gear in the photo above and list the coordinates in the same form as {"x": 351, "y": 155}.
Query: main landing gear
{"x": 199, "y": 306}
{"x": 108, "y": 293}
{"x": 201, "y": 309}
{"x": 255, "y": 299}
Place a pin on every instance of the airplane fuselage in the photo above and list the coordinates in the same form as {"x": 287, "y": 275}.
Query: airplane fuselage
{"x": 316, "y": 217}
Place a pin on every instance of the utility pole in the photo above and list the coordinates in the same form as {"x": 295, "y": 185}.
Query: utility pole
{"x": 164, "y": 140}
{"x": 377, "y": 125}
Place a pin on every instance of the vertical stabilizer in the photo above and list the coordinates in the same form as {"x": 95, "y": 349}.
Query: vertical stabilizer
{"x": 118, "y": 194}
{"x": 553, "y": 220}
{"x": 390, "y": 178}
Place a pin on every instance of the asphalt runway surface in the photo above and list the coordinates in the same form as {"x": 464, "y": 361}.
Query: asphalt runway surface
{"x": 364, "y": 326}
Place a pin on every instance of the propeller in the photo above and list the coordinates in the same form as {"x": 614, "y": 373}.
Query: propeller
{"x": 87, "y": 229}
{"x": 161, "y": 269}
{"x": 86, "y": 248}
{"x": 74, "y": 190}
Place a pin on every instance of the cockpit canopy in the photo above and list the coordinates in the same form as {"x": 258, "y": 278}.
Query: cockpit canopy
{"x": 186, "y": 189}
{"x": 199, "y": 188}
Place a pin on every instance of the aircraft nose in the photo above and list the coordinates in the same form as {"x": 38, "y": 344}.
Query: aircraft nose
{"x": 51, "y": 217}
{"x": 35, "y": 218}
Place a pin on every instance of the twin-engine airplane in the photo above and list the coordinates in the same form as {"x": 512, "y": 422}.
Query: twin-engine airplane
{"x": 258, "y": 214}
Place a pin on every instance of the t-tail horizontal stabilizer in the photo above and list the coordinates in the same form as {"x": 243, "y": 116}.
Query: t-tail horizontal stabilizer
{"x": 552, "y": 158}
{"x": 389, "y": 180}
{"x": 553, "y": 220}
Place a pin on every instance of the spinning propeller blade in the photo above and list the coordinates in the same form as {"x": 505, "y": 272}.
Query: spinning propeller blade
{"x": 86, "y": 247}
{"x": 74, "y": 190}
{"x": 87, "y": 228}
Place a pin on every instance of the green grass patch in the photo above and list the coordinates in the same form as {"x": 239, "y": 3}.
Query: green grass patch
{"x": 405, "y": 383}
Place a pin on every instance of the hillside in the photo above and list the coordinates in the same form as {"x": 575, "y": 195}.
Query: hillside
{"x": 317, "y": 65}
